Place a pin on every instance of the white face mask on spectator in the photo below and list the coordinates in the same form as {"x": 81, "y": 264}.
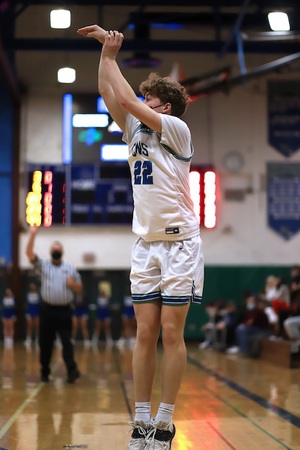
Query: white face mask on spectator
{"x": 250, "y": 306}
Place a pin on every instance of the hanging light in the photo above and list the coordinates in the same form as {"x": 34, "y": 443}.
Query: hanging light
{"x": 60, "y": 18}
{"x": 279, "y": 21}
{"x": 66, "y": 75}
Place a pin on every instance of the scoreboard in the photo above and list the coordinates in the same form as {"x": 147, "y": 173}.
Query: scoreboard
{"x": 101, "y": 194}
{"x": 87, "y": 194}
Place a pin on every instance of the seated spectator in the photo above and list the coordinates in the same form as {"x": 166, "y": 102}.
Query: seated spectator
{"x": 294, "y": 287}
{"x": 292, "y": 328}
{"x": 255, "y": 325}
{"x": 270, "y": 290}
{"x": 295, "y": 279}
{"x": 213, "y": 310}
{"x": 277, "y": 297}
{"x": 283, "y": 293}
{"x": 281, "y": 304}
{"x": 226, "y": 326}
{"x": 292, "y": 323}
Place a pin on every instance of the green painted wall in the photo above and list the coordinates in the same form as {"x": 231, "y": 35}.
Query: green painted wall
{"x": 226, "y": 282}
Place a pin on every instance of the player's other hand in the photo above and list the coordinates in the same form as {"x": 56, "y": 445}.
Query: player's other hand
{"x": 93, "y": 31}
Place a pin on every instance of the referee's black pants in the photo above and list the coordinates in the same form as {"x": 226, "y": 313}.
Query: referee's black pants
{"x": 55, "y": 320}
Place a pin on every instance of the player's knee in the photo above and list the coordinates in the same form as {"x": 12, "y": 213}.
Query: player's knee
{"x": 147, "y": 334}
{"x": 171, "y": 335}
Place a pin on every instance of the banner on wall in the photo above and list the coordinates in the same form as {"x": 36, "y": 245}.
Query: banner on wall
{"x": 283, "y": 198}
{"x": 284, "y": 116}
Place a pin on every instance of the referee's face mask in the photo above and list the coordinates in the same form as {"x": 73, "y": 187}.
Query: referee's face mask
{"x": 56, "y": 252}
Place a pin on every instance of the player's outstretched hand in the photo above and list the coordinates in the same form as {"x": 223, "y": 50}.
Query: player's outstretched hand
{"x": 93, "y": 31}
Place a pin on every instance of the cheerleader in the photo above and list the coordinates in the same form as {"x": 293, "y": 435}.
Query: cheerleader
{"x": 8, "y": 317}
{"x": 32, "y": 314}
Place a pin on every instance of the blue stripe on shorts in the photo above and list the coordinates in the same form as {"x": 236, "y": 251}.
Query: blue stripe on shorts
{"x": 145, "y": 298}
{"x": 197, "y": 299}
{"x": 175, "y": 300}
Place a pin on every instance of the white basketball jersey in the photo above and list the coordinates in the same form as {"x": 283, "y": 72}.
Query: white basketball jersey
{"x": 160, "y": 165}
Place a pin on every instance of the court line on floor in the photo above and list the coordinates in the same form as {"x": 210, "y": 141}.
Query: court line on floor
{"x": 282, "y": 413}
{"x": 118, "y": 368}
{"x": 19, "y": 411}
{"x": 294, "y": 420}
{"x": 221, "y": 435}
{"x": 23, "y": 405}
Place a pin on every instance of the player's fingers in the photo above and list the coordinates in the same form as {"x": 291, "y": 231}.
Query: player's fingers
{"x": 115, "y": 34}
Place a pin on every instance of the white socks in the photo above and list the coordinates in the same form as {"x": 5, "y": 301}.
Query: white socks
{"x": 143, "y": 411}
{"x": 164, "y": 413}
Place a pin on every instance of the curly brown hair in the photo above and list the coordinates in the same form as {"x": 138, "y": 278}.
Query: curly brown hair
{"x": 168, "y": 91}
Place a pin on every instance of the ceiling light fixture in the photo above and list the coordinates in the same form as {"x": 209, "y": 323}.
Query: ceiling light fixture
{"x": 279, "y": 21}
{"x": 60, "y": 18}
{"x": 66, "y": 75}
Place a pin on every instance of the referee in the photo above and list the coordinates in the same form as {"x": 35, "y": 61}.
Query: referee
{"x": 59, "y": 281}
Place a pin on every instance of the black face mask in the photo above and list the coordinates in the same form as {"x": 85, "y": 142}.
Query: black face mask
{"x": 56, "y": 255}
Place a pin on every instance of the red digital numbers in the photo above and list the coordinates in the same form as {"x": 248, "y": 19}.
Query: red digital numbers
{"x": 203, "y": 193}
{"x": 47, "y": 198}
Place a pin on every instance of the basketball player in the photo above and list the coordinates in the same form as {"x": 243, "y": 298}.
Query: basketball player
{"x": 167, "y": 262}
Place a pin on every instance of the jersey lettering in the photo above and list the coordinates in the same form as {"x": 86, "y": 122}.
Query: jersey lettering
{"x": 140, "y": 148}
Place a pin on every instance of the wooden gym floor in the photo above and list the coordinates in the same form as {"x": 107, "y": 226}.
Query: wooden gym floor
{"x": 225, "y": 402}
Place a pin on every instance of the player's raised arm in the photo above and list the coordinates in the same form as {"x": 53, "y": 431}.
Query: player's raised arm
{"x": 104, "y": 78}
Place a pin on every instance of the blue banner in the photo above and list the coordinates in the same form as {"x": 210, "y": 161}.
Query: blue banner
{"x": 284, "y": 116}
{"x": 283, "y": 191}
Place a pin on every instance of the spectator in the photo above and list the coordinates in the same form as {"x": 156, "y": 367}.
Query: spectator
{"x": 295, "y": 282}
{"x": 226, "y": 327}
{"x": 292, "y": 327}
{"x": 277, "y": 298}
{"x": 214, "y": 313}
{"x": 292, "y": 323}
{"x": 283, "y": 293}
{"x": 281, "y": 304}
{"x": 271, "y": 291}
{"x": 255, "y": 324}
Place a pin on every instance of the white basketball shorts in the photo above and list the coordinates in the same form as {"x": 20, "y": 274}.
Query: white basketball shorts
{"x": 169, "y": 271}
